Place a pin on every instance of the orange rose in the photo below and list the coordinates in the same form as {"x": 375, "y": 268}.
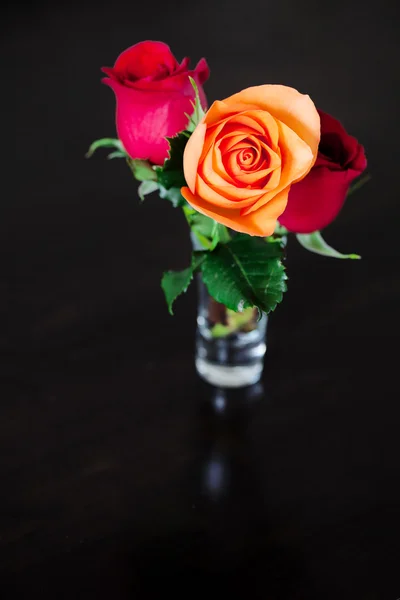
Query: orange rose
{"x": 242, "y": 158}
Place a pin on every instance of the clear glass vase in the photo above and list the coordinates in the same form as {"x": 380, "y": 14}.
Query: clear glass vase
{"x": 230, "y": 346}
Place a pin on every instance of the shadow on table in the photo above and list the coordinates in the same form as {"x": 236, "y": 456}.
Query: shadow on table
{"x": 228, "y": 544}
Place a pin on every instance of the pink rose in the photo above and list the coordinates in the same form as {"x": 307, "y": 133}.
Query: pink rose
{"x": 316, "y": 200}
{"x": 153, "y": 93}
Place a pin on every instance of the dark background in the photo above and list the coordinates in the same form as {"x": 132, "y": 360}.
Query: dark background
{"x": 116, "y": 477}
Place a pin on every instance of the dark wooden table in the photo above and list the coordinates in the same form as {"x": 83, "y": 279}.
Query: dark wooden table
{"x": 119, "y": 477}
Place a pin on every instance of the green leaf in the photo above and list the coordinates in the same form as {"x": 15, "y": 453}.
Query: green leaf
{"x": 175, "y": 283}
{"x": 208, "y": 232}
{"x": 198, "y": 112}
{"x": 244, "y": 273}
{"x": 280, "y": 236}
{"x": 277, "y": 240}
{"x": 116, "y": 154}
{"x": 314, "y": 242}
{"x": 171, "y": 173}
{"x": 147, "y": 187}
{"x": 142, "y": 169}
{"x": 198, "y": 222}
{"x": 106, "y": 143}
{"x": 359, "y": 183}
{"x": 280, "y": 230}
{"x": 204, "y": 228}
{"x": 173, "y": 195}
{"x": 223, "y": 234}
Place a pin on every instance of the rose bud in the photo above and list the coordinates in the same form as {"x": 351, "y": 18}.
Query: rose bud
{"x": 153, "y": 93}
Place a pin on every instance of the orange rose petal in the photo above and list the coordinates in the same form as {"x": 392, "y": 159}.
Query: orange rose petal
{"x": 256, "y": 161}
{"x": 296, "y": 110}
{"x": 238, "y": 172}
{"x": 228, "y": 196}
{"x": 230, "y": 129}
{"x": 221, "y": 129}
{"x": 269, "y": 150}
{"x": 296, "y": 162}
{"x": 224, "y": 128}
{"x": 267, "y": 124}
{"x": 230, "y": 145}
{"x": 249, "y": 163}
{"x": 230, "y": 161}
{"x": 253, "y": 177}
{"x": 249, "y": 157}
{"x": 272, "y": 162}
{"x": 220, "y": 110}
{"x": 266, "y": 216}
{"x": 274, "y": 159}
{"x": 192, "y": 154}
{"x": 213, "y": 177}
{"x": 229, "y": 141}
{"x": 218, "y": 132}
{"x": 297, "y": 156}
{"x": 246, "y": 120}
{"x": 211, "y": 137}
{"x": 274, "y": 180}
{"x": 246, "y": 194}
{"x": 261, "y": 224}
{"x": 229, "y": 218}
{"x": 218, "y": 165}
{"x": 251, "y": 142}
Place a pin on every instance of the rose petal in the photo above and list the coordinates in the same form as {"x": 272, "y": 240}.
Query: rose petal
{"x": 250, "y": 177}
{"x": 268, "y": 125}
{"x": 214, "y": 176}
{"x": 274, "y": 179}
{"x": 192, "y": 154}
{"x": 228, "y": 196}
{"x": 296, "y": 157}
{"x": 315, "y": 201}
{"x": 220, "y": 111}
{"x": 202, "y": 71}
{"x": 246, "y": 120}
{"x": 235, "y": 142}
{"x": 211, "y": 137}
{"x": 218, "y": 165}
{"x": 261, "y": 223}
{"x": 353, "y": 150}
{"x": 145, "y": 58}
{"x": 179, "y": 82}
{"x": 258, "y": 179}
{"x": 144, "y": 120}
{"x": 183, "y": 66}
{"x": 286, "y": 104}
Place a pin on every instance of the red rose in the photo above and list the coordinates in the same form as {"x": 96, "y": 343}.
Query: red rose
{"x": 316, "y": 200}
{"x": 153, "y": 94}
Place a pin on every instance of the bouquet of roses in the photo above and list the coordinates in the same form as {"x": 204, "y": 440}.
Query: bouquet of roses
{"x": 248, "y": 171}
